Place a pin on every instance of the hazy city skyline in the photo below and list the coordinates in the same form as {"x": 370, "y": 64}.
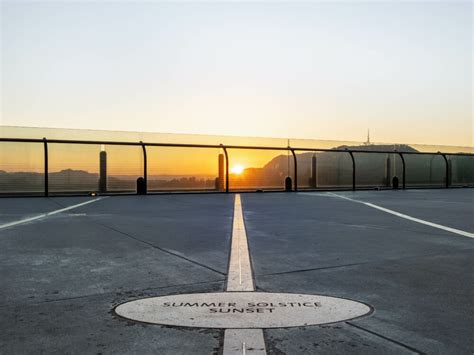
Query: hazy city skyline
{"x": 307, "y": 70}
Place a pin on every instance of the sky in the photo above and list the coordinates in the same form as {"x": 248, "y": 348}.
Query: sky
{"x": 322, "y": 70}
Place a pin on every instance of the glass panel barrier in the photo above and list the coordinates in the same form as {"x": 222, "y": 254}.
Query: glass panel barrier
{"x": 254, "y": 169}
{"x": 182, "y": 168}
{"x": 324, "y": 170}
{"x": 124, "y": 167}
{"x": 73, "y": 168}
{"x": 461, "y": 170}
{"x": 21, "y": 168}
{"x": 378, "y": 169}
{"x": 425, "y": 170}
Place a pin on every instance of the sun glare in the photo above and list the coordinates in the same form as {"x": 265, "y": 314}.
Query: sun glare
{"x": 237, "y": 169}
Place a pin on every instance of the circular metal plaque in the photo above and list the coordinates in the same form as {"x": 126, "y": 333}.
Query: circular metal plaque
{"x": 242, "y": 310}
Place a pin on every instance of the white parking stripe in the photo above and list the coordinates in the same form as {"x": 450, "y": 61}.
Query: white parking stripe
{"x": 244, "y": 341}
{"x": 410, "y": 218}
{"x": 30, "y": 219}
{"x": 240, "y": 278}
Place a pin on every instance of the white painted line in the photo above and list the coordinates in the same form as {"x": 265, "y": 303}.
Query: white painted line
{"x": 239, "y": 277}
{"x": 244, "y": 341}
{"x": 410, "y": 218}
{"x": 26, "y": 220}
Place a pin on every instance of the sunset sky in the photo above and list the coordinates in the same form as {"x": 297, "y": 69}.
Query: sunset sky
{"x": 302, "y": 70}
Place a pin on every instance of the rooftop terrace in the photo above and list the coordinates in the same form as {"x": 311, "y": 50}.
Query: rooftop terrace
{"x": 66, "y": 263}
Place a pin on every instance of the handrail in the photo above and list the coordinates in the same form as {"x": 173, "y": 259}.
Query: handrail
{"x": 184, "y": 145}
{"x": 46, "y": 142}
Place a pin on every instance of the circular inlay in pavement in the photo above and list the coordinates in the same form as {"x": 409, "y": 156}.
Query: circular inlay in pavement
{"x": 242, "y": 310}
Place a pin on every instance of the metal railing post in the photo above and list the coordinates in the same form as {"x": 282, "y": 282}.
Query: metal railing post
{"x": 145, "y": 167}
{"x": 447, "y": 169}
{"x": 403, "y": 169}
{"x": 353, "y": 171}
{"x": 295, "y": 168}
{"x": 226, "y": 168}
{"x": 46, "y": 180}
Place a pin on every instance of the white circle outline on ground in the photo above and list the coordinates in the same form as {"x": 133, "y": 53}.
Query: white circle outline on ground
{"x": 242, "y": 310}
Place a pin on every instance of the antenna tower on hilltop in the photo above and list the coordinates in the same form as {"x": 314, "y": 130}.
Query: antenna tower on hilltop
{"x": 368, "y": 138}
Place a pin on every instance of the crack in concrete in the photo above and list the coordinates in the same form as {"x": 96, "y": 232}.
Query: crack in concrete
{"x": 160, "y": 248}
{"x": 408, "y": 347}
{"x": 364, "y": 263}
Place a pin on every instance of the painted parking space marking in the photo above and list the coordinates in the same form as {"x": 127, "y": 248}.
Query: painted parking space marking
{"x": 44, "y": 215}
{"x": 242, "y": 311}
{"x": 239, "y": 276}
{"x": 401, "y": 215}
{"x": 244, "y": 341}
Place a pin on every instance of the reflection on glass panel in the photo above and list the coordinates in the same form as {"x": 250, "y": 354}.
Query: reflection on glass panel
{"x": 425, "y": 170}
{"x": 124, "y": 167}
{"x": 73, "y": 168}
{"x": 181, "y": 168}
{"x": 324, "y": 169}
{"x": 21, "y": 168}
{"x": 251, "y": 169}
{"x": 461, "y": 170}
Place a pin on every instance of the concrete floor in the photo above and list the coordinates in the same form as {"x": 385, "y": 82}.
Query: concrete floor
{"x": 63, "y": 275}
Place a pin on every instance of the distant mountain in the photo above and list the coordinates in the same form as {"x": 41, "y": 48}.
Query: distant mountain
{"x": 374, "y": 147}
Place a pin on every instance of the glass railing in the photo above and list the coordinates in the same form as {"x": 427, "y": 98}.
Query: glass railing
{"x": 22, "y": 168}
{"x": 61, "y": 167}
{"x": 259, "y": 169}
{"x": 425, "y": 170}
{"x": 324, "y": 169}
{"x": 461, "y": 170}
{"x": 184, "y": 168}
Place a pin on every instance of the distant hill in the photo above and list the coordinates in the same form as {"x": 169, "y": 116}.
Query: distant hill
{"x": 374, "y": 147}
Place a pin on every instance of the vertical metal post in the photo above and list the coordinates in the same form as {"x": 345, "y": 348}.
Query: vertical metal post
{"x": 46, "y": 181}
{"x": 145, "y": 167}
{"x": 447, "y": 169}
{"x": 221, "y": 172}
{"x": 226, "y": 168}
{"x": 388, "y": 172}
{"x": 353, "y": 171}
{"x": 295, "y": 168}
{"x": 403, "y": 168}
{"x": 314, "y": 176}
{"x": 103, "y": 171}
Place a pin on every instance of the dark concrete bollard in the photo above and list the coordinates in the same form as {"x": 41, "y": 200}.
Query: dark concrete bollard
{"x": 141, "y": 186}
{"x": 103, "y": 171}
{"x": 288, "y": 183}
{"x": 395, "y": 183}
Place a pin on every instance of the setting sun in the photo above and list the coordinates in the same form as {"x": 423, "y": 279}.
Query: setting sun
{"x": 237, "y": 169}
